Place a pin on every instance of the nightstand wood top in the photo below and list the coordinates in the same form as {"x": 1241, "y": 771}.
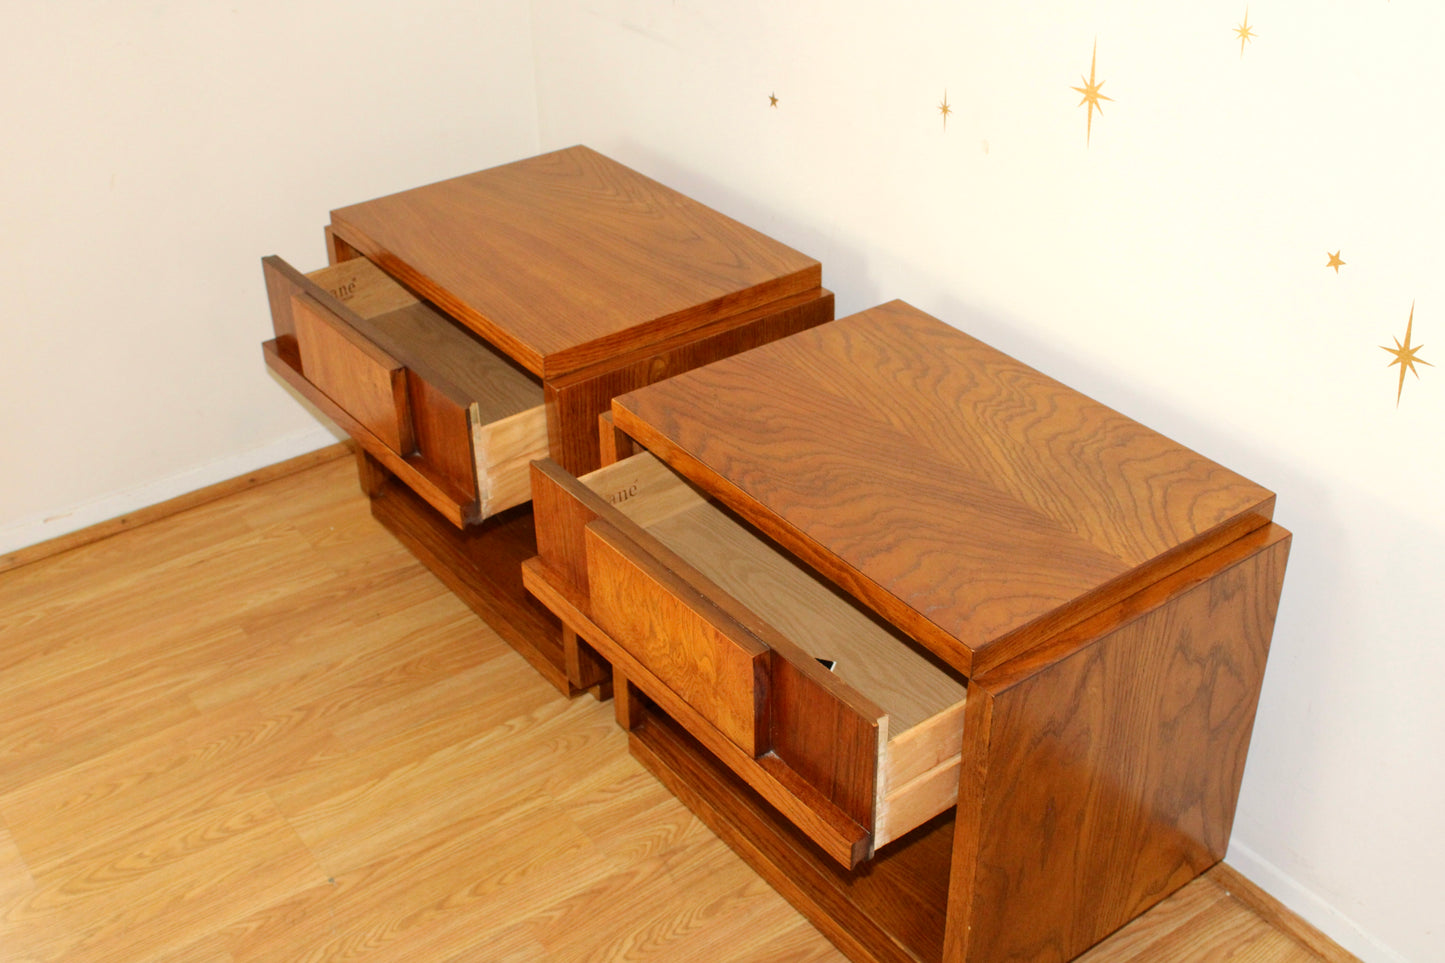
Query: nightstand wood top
{"x": 979, "y": 505}
{"x": 568, "y": 258}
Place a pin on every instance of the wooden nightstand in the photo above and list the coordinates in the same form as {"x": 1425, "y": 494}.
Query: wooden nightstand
{"x": 470, "y": 326}
{"x": 1047, "y": 626}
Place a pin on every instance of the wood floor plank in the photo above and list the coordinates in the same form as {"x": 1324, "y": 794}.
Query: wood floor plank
{"x": 168, "y": 618}
{"x": 95, "y": 566}
{"x": 185, "y": 580}
{"x": 627, "y": 819}
{"x": 632, "y": 914}
{"x": 201, "y": 952}
{"x": 69, "y": 692}
{"x": 104, "y": 867}
{"x": 258, "y": 731}
{"x": 295, "y": 632}
{"x": 427, "y": 688}
{"x": 41, "y": 744}
{"x": 335, "y": 653}
{"x": 464, "y": 877}
{"x": 485, "y": 773}
{"x": 126, "y": 797}
{"x": 15, "y": 879}
{"x": 1222, "y": 933}
{"x": 97, "y": 913}
{"x": 1277, "y": 915}
{"x": 372, "y": 753}
{"x": 305, "y": 497}
{"x": 1137, "y": 941}
{"x": 226, "y": 491}
{"x": 469, "y": 901}
{"x": 1201, "y": 923}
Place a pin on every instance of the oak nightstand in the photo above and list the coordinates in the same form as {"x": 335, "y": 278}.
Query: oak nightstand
{"x": 470, "y": 326}
{"x": 964, "y": 663}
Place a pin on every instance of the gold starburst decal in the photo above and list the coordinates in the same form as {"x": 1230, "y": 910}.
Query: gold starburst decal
{"x": 1405, "y": 355}
{"x": 945, "y": 110}
{"x": 1335, "y": 261}
{"x": 772, "y": 100}
{"x": 1244, "y": 31}
{"x": 1090, "y": 90}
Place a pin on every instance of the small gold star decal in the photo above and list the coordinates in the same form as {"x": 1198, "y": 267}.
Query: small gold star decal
{"x": 1335, "y": 261}
{"x": 1405, "y": 355}
{"x": 944, "y": 109}
{"x": 1245, "y": 32}
{"x": 1090, "y": 90}
{"x": 772, "y": 100}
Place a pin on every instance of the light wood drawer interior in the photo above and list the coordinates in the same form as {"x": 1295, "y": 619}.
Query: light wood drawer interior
{"x": 750, "y": 596}
{"x": 433, "y": 394}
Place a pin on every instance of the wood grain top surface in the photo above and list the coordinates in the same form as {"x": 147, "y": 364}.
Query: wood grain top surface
{"x": 563, "y": 259}
{"x": 971, "y": 500}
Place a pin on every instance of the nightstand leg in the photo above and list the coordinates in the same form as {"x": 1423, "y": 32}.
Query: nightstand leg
{"x": 625, "y": 700}
{"x": 368, "y": 472}
{"x": 585, "y": 668}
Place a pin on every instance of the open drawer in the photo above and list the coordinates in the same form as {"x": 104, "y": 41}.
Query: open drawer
{"x": 725, "y": 632}
{"x": 441, "y": 408}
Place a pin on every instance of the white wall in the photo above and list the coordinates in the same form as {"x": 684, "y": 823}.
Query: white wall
{"x": 1174, "y": 267}
{"x": 152, "y": 154}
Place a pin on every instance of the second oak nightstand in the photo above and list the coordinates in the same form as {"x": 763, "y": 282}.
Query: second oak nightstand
{"x": 960, "y": 660}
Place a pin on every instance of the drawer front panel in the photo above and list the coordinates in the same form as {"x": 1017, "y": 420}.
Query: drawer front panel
{"x": 359, "y": 376}
{"x": 691, "y": 646}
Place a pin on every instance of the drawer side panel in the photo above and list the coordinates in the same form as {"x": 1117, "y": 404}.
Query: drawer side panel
{"x": 1129, "y": 743}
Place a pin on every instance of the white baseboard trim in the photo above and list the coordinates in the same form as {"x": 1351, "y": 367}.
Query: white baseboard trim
{"x": 42, "y": 527}
{"x": 1309, "y": 905}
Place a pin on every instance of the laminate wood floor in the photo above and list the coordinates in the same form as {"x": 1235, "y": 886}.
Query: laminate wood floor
{"x": 259, "y": 730}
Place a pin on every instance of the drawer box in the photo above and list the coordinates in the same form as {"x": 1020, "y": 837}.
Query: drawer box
{"x": 733, "y": 633}
{"x": 429, "y": 399}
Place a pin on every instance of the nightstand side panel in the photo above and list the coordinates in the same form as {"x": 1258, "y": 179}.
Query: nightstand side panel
{"x": 1110, "y": 767}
